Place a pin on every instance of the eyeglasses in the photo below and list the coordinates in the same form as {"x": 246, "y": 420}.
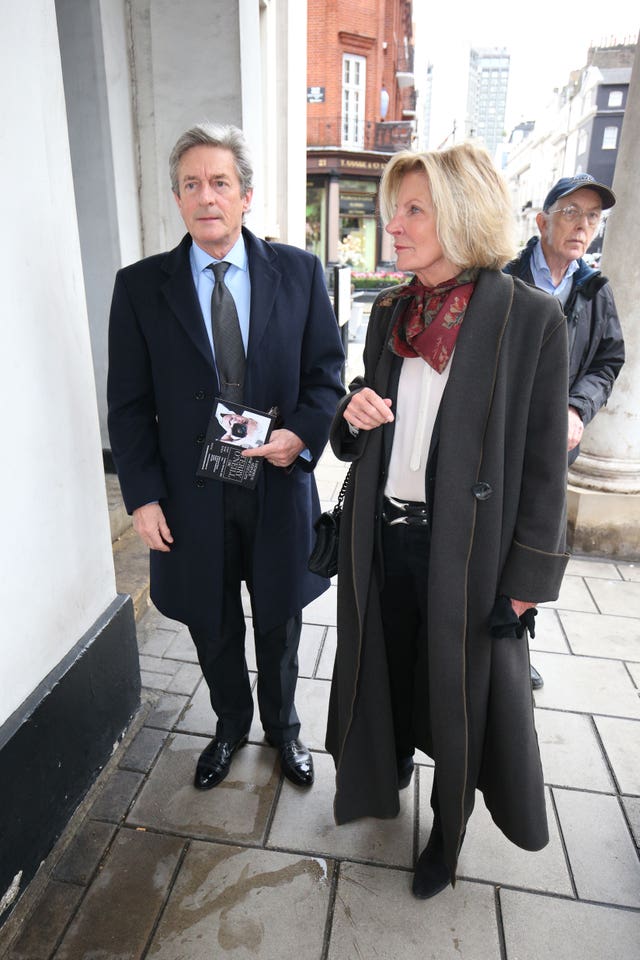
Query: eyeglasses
{"x": 572, "y": 213}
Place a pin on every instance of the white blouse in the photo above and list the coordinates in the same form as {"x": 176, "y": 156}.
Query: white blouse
{"x": 420, "y": 391}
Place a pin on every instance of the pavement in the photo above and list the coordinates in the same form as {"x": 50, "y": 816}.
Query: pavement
{"x": 256, "y": 869}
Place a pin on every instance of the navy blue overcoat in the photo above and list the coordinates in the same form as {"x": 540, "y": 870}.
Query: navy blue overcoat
{"x": 161, "y": 388}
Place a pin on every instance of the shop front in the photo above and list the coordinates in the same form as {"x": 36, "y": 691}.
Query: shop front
{"x": 343, "y": 226}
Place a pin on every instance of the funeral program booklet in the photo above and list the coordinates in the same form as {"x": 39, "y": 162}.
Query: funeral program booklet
{"x": 232, "y": 429}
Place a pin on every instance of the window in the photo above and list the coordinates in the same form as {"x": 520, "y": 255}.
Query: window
{"x": 354, "y": 70}
{"x": 583, "y": 140}
{"x": 610, "y": 138}
{"x": 615, "y": 98}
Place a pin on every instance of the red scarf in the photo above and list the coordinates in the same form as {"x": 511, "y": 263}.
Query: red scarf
{"x": 430, "y": 324}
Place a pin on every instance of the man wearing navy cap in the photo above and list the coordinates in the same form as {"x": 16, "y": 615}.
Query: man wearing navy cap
{"x": 553, "y": 262}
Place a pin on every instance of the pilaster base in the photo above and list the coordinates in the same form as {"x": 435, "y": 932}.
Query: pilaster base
{"x": 603, "y": 524}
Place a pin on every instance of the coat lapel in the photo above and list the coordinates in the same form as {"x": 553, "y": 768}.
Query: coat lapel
{"x": 265, "y": 281}
{"x": 469, "y": 392}
{"x": 182, "y": 298}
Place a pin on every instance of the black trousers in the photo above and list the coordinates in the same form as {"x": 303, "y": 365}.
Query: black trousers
{"x": 403, "y": 600}
{"x": 222, "y": 654}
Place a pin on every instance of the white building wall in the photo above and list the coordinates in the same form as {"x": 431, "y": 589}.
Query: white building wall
{"x": 57, "y": 568}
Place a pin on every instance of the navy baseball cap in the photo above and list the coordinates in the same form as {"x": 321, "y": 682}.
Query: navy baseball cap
{"x": 567, "y": 185}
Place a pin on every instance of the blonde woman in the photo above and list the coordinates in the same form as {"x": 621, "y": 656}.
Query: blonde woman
{"x": 453, "y": 526}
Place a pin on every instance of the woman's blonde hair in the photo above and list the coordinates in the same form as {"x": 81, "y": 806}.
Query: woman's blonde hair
{"x": 473, "y": 212}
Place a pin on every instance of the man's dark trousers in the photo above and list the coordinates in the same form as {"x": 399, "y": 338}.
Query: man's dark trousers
{"x": 222, "y": 654}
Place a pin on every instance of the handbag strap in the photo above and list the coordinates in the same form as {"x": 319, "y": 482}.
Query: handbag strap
{"x": 343, "y": 489}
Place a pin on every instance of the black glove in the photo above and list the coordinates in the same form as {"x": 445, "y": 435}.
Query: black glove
{"x": 504, "y": 622}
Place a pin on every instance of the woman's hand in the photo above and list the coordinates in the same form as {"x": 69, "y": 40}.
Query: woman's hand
{"x": 366, "y": 410}
{"x": 520, "y": 606}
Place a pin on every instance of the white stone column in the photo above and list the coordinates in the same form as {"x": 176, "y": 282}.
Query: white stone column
{"x": 604, "y": 492}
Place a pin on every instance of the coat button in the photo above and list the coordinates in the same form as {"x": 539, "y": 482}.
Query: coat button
{"x": 200, "y": 438}
{"x": 200, "y": 394}
{"x": 481, "y": 490}
{"x": 199, "y": 482}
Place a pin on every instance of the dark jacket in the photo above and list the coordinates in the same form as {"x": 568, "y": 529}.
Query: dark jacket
{"x": 498, "y": 527}
{"x": 161, "y": 388}
{"x": 596, "y": 345}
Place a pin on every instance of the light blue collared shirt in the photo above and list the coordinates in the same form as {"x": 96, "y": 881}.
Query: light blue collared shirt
{"x": 542, "y": 275}
{"x": 236, "y": 279}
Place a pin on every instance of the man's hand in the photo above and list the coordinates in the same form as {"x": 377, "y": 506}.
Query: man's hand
{"x": 519, "y": 606}
{"x": 576, "y": 428}
{"x": 366, "y": 410}
{"x": 282, "y": 450}
{"x": 151, "y": 526}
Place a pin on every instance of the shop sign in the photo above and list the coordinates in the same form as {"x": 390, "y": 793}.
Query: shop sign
{"x": 357, "y": 206}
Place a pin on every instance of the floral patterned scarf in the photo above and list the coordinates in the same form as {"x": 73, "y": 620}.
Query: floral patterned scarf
{"x": 430, "y": 324}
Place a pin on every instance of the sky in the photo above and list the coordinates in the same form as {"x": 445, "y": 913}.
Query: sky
{"x": 546, "y": 39}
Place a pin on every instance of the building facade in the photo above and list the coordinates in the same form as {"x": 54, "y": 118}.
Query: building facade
{"x": 360, "y": 110}
{"x": 578, "y": 133}
{"x": 487, "y": 95}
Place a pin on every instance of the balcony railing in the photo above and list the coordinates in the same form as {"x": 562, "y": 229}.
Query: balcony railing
{"x": 393, "y": 135}
{"x": 387, "y": 137}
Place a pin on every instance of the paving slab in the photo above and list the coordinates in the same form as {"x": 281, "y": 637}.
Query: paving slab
{"x": 586, "y": 685}
{"x": 117, "y": 916}
{"x": 632, "y": 810}
{"x": 634, "y": 672}
{"x": 311, "y": 641}
{"x": 585, "y": 567}
{"x": 304, "y": 821}
{"x": 376, "y": 915}
{"x": 328, "y": 656}
{"x": 621, "y": 739}
{"x": 312, "y": 704}
{"x": 155, "y": 681}
{"x": 549, "y": 633}
{"x": 236, "y": 903}
{"x": 604, "y": 862}
{"x": 629, "y": 571}
{"x": 597, "y": 635}
{"x": 167, "y": 711}
{"x": 322, "y": 610}
{"x": 43, "y": 929}
{"x": 116, "y": 797}
{"x": 237, "y": 810}
{"x": 143, "y": 750}
{"x": 548, "y": 928}
{"x": 153, "y": 664}
{"x": 487, "y": 854}
{"x": 574, "y": 595}
{"x": 182, "y": 647}
{"x": 619, "y": 598}
{"x": 185, "y": 679}
{"x": 570, "y": 751}
{"x": 81, "y": 858}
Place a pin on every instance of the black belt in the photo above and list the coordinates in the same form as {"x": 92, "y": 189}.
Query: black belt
{"x": 412, "y": 512}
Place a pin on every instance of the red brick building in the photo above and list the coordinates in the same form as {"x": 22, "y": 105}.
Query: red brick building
{"x": 360, "y": 110}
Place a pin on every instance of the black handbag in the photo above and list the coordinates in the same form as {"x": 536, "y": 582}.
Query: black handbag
{"x": 324, "y": 556}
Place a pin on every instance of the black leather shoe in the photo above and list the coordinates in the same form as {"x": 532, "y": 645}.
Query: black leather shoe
{"x": 214, "y": 762}
{"x": 536, "y": 680}
{"x": 405, "y": 772}
{"x": 431, "y": 872}
{"x": 295, "y": 762}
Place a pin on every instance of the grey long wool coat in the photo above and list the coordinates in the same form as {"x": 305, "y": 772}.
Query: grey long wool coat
{"x": 498, "y": 528}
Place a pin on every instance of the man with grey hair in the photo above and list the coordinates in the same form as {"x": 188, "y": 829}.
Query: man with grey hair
{"x": 554, "y": 262}
{"x": 226, "y": 316}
